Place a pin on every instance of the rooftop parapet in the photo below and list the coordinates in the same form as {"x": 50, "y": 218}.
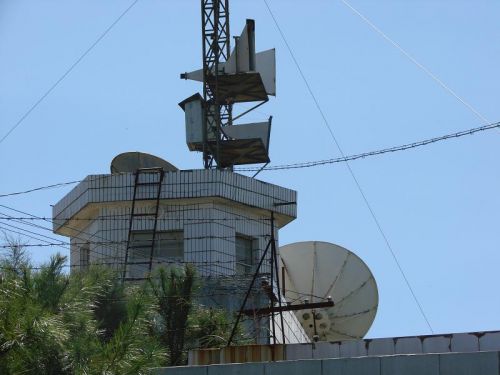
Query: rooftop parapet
{"x": 179, "y": 186}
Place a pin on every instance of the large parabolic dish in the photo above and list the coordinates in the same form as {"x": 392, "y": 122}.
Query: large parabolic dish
{"x": 317, "y": 270}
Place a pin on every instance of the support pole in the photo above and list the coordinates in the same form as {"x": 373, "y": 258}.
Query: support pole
{"x": 240, "y": 313}
{"x": 275, "y": 265}
{"x": 274, "y": 271}
{"x": 273, "y": 255}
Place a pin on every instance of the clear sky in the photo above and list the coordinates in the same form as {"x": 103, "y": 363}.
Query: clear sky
{"x": 439, "y": 206}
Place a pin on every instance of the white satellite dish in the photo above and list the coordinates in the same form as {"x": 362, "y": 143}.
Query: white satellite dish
{"x": 315, "y": 271}
{"x": 130, "y": 162}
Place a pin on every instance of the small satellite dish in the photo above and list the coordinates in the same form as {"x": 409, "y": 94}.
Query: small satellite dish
{"x": 129, "y": 162}
{"x": 316, "y": 271}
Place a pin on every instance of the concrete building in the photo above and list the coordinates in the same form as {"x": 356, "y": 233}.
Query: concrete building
{"x": 219, "y": 221}
{"x": 206, "y": 212}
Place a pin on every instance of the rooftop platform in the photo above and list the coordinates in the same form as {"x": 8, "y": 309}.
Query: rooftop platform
{"x": 180, "y": 186}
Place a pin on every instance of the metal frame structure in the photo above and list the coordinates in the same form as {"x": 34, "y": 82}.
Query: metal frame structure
{"x": 274, "y": 273}
{"x": 160, "y": 173}
{"x": 216, "y": 49}
{"x": 228, "y": 77}
{"x": 272, "y": 309}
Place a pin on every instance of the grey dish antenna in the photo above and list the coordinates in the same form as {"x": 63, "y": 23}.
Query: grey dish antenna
{"x": 130, "y": 162}
{"x": 315, "y": 271}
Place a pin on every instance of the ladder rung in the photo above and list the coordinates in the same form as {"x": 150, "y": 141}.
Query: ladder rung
{"x": 136, "y": 198}
{"x": 147, "y": 183}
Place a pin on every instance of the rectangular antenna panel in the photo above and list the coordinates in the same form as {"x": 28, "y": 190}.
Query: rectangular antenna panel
{"x": 242, "y": 58}
{"x": 265, "y": 64}
{"x": 257, "y": 130}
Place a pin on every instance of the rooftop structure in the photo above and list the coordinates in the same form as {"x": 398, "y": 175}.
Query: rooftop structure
{"x": 218, "y": 220}
{"x": 147, "y": 213}
{"x": 229, "y": 77}
{"x": 475, "y": 353}
{"x": 205, "y": 213}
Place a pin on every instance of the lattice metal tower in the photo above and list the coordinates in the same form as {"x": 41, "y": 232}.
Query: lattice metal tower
{"x": 216, "y": 49}
{"x": 229, "y": 77}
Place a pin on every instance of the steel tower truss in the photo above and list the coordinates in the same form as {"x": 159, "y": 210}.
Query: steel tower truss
{"x": 229, "y": 77}
{"x": 216, "y": 49}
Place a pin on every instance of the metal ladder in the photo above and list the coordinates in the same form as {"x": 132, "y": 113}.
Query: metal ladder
{"x": 134, "y": 216}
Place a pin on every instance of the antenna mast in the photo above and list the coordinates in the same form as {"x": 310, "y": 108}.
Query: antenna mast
{"x": 216, "y": 49}
{"x": 229, "y": 77}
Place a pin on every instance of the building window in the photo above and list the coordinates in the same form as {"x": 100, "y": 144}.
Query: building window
{"x": 244, "y": 255}
{"x": 168, "y": 247}
{"x": 84, "y": 256}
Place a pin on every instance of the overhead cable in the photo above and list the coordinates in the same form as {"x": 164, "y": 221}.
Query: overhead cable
{"x": 41, "y": 188}
{"x": 351, "y": 172}
{"x": 68, "y": 71}
{"x": 363, "y": 155}
{"x": 314, "y": 163}
{"x": 418, "y": 64}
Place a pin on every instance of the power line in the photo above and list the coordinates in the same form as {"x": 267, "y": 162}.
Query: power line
{"x": 309, "y": 164}
{"x": 69, "y": 70}
{"x": 346, "y": 161}
{"x": 363, "y": 155}
{"x": 46, "y": 243}
{"x": 31, "y": 232}
{"x": 120, "y": 217}
{"x": 113, "y": 246}
{"x": 40, "y": 188}
{"x": 109, "y": 242}
{"x": 77, "y": 236}
{"x": 418, "y": 64}
{"x": 52, "y": 186}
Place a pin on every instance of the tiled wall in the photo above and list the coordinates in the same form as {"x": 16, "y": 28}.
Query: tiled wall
{"x": 177, "y": 185}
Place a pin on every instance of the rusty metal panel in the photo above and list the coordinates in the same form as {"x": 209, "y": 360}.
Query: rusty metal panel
{"x": 236, "y": 354}
{"x": 202, "y": 357}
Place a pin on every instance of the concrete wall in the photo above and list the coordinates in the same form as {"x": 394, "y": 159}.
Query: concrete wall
{"x": 210, "y": 207}
{"x": 209, "y": 231}
{"x": 480, "y": 363}
{"x": 448, "y": 343}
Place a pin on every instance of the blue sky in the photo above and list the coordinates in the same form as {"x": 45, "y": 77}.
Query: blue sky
{"x": 439, "y": 206}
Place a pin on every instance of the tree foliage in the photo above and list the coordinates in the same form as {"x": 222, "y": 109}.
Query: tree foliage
{"x": 88, "y": 322}
{"x": 173, "y": 291}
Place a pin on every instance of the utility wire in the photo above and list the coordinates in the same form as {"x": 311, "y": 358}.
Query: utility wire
{"x": 114, "y": 246}
{"x": 363, "y": 155}
{"x": 360, "y": 189}
{"x": 41, "y": 188}
{"x": 418, "y": 64}
{"x": 314, "y": 163}
{"x": 121, "y": 217}
{"x": 69, "y": 70}
{"x": 46, "y": 243}
{"x": 31, "y": 232}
